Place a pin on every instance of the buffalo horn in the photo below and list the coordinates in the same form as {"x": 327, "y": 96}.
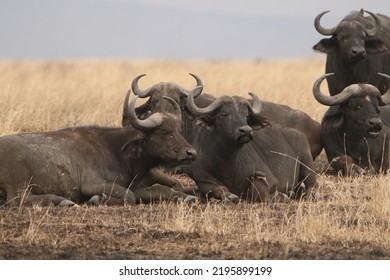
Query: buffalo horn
{"x": 385, "y": 98}
{"x": 377, "y": 25}
{"x": 176, "y": 107}
{"x": 336, "y": 99}
{"x": 256, "y": 107}
{"x": 322, "y": 30}
{"x": 199, "y": 83}
{"x": 195, "y": 110}
{"x": 137, "y": 91}
{"x": 150, "y": 123}
{"x": 125, "y": 114}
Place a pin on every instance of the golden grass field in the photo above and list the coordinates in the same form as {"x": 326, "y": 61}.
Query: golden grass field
{"x": 351, "y": 221}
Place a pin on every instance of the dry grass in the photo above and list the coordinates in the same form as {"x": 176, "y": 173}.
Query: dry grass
{"x": 351, "y": 221}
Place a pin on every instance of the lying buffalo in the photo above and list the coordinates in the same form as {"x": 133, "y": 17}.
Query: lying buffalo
{"x": 94, "y": 164}
{"x": 241, "y": 156}
{"x": 355, "y": 133}
{"x": 278, "y": 115}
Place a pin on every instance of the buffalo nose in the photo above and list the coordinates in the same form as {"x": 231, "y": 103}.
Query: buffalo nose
{"x": 375, "y": 122}
{"x": 245, "y": 130}
{"x": 361, "y": 52}
{"x": 191, "y": 154}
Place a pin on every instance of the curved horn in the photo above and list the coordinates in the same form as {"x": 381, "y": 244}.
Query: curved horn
{"x": 322, "y": 30}
{"x": 257, "y": 106}
{"x": 176, "y": 107}
{"x": 125, "y": 114}
{"x": 150, "y": 123}
{"x": 385, "y": 98}
{"x": 137, "y": 90}
{"x": 195, "y": 110}
{"x": 377, "y": 25}
{"x": 336, "y": 99}
{"x": 199, "y": 83}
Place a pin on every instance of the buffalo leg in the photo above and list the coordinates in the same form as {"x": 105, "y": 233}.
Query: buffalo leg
{"x": 110, "y": 193}
{"x": 157, "y": 176}
{"x": 219, "y": 192}
{"x": 14, "y": 197}
{"x": 264, "y": 189}
{"x": 47, "y": 199}
{"x": 159, "y": 192}
{"x": 43, "y": 200}
{"x": 346, "y": 165}
{"x": 308, "y": 177}
{"x": 260, "y": 189}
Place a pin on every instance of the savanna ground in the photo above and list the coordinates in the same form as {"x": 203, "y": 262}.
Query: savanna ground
{"x": 351, "y": 221}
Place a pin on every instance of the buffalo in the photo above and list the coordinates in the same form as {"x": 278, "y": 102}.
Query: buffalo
{"x": 355, "y": 133}
{"x": 277, "y": 114}
{"x": 280, "y": 115}
{"x": 155, "y": 93}
{"x": 95, "y": 164}
{"x": 356, "y": 51}
{"x": 241, "y": 157}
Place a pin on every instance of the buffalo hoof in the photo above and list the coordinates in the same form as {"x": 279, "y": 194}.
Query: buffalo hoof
{"x": 130, "y": 198}
{"x": 190, "y": 199}
{"x": 232, "y": 198}
{"x": 281, "y": 198}
{"x": 94, "y": 200}
{"x": 354, "y": 171}
{"x": 67, "y": 202}
{"x": 285, "y": 198}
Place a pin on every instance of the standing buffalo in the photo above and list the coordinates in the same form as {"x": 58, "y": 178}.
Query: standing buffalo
{"x": 240, "y": 156}
{"x": 354, "y": 133}
{"x": 94, "y": 164}
{"x": 357, "y": 51}
{"x": 278, "y": 115}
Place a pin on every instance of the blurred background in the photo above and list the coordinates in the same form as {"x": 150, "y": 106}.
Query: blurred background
{"x": 167, "y": 29}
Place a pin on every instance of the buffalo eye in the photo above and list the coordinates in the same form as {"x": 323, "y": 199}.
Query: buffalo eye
{"x": 168, "y": 133}
{"x": 225, "y": 114}
{"x": 357, "y": 107}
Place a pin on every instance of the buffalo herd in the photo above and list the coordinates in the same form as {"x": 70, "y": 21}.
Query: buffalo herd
{"x": 233, "y": 148}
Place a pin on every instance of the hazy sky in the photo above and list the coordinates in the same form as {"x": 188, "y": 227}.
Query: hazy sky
{"x": 207, "y": 29}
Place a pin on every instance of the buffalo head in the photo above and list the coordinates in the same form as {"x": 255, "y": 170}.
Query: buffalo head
{"x": 231, "y": 118}
{"x": 358, "y": 107}
{"x": 353, "y": 38}
{"x": 161, "y": 135}
{"x": 155, "y": 93}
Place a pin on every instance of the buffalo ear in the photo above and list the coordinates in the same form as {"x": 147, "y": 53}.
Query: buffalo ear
{"x": 205, "y": 122}
{"x": 257, "y": 122}
{"x": 142, "y": 111}
{"x": 331, "y": 123}
{"x": 327, "y": 46}
{"x": 375, "y": 46}
{"x": 133, "y": 149}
